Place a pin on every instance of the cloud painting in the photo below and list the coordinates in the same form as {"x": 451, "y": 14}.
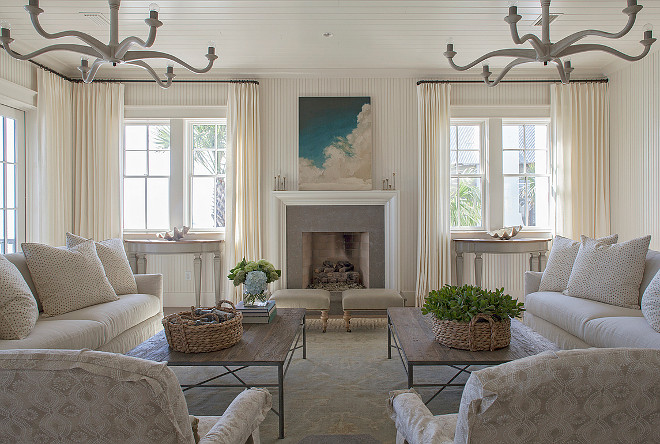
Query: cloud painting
{"x": 335, "y": 143}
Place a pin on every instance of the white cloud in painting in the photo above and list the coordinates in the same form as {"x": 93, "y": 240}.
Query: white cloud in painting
{"x": 347, "y": 164}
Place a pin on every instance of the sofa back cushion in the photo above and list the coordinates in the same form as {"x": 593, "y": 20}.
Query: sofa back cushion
{"x": 18, "y": 308}
{"x": 90, "y": 396}
{"x": 651, "y": 268}
{"x": 18, "y": 259}
{"x": 594, "y": 395}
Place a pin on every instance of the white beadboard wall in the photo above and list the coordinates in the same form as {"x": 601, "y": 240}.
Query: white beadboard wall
{"x": 19, "y": 72}
{"x": 635, "y": 150}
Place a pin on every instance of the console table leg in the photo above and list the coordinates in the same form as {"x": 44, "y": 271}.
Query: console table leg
{"x": 478, "y": 271}
{"x": 132, "y": 260}
{"x": 410, "y": 375}
{"x": 141, "y": 263}
{"x": 197, "y": 268}
{"x": 459, "y": 269}
{"x": 217, "y": 282}
{"x": 534, "y": 262}
{"x": 542, "y": 260}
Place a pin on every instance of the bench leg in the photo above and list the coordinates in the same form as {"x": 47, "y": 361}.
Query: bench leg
{"x": 347, "y": 320}
{"x": 324, "y": 319}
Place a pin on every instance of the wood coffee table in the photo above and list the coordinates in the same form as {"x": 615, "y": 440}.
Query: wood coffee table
{"x": 410, "y": 333}
{"x": 264, "y": 345}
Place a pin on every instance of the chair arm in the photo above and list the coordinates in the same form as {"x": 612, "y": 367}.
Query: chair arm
{"x": 532, "y": 281}
{"x": 150, "y": 284}
{"x": 241, "y": 419}
{"x": 415, "y": 423}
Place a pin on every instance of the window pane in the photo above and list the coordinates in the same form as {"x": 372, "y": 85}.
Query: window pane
{"x": 203, "y": 202}
{"x": 2, "y": 181}
{"x": 222, "y": 137}
{"x": 466, "y": 195}
{"x": 11, "y": 139}
{"x": 452, "y": 137}
{"x": 159, "y": 137}
{"x": 538, "y": 194}
{"x": 468, "y": 137}
{"x": 514, "y": 201}
{"x": 510, "y": 137}
{"x": 158, "y": 203}
{"x": 159, "y": 163}
{"x": 222, "y": 162}
{"x": 541, "y": 137}
{"x": 513, "y": 162}
{"x": 11, "y": 186}
{"x": 136, "y": 137}
{"x": 219, "y": 202}
{"x": 2, "y": 139}
{"x": 537, "y": 161}
{"x": 11, "y": 231}
{"x": 453, "y": 208}
{"x": 203, "y": 136}
{"x": 452, "y": 162}
{"x": 204, "y": 163}
{"x": 134, "y": 204}
{"x": 136, "y": 163}
{"x": 468, "y": 162}
{"x": 2, "y": 229}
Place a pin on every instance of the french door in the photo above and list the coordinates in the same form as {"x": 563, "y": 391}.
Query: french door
{"x": 12, "y": 179}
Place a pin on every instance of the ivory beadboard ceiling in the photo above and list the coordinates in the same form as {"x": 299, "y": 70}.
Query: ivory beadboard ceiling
{"x": 277, "y": 37}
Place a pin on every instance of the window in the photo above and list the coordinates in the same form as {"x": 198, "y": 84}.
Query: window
{"x": 174, "y": 174}
{"x": 146, "y": 176}
{"x": 12, "y": 202}
{"x": 525, "y": 164}
{"x": 467, "y": 178}
{"x": 209, "y": 163}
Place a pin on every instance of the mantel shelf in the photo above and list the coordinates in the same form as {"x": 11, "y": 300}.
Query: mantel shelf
{"x": 371, "y": 197}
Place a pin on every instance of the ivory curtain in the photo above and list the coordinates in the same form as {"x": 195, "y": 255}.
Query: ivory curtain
{"x": 434, "y": 227}
{"x": 98, "y": 115}
{"x": 243, "y": 196}
{"x": 580, "y": 113}
{"x": 49, "y": 189}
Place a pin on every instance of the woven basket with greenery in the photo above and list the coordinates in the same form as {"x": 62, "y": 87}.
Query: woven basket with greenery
{"x": 472, "y": 318}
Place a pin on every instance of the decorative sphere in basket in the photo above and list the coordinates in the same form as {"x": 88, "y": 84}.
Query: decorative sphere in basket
{"x": 255, "y": 277}
{"x": 472, "y": 318}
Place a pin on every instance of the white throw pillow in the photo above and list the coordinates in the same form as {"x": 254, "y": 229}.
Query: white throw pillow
{"x": 609, "y": 273}
{"x": 67, "y": 280}
{"x": 560, "y": 262}
{"x": 114, "y": 260}
{"x": 18, "y": 308}
{"x": 651, "y": 303}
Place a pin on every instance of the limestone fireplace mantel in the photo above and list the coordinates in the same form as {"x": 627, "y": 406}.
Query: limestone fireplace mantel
{"x": 388, "y": 199}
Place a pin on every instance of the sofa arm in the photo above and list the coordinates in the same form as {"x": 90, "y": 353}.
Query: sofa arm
{"x": 241, "y": 420}
{"x": 532, "y": 281}
{"x": 150, "y": 284}
{"x": 415, "y": 423}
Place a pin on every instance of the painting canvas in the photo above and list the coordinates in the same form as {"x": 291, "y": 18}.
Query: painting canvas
{"x": 335, "y": 143}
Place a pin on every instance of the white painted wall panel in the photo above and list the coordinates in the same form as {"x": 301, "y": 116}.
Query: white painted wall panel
{"x": 22, "y": 73}
{"x": 635, "y": 150}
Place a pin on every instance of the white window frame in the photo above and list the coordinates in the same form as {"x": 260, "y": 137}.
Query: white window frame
{"x": 19, "y": 176}
{"x": 483, "y": 144}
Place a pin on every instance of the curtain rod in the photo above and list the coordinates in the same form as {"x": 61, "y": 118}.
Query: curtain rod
{"x": 514, "y": 81}
{"x": 256, "y": 82}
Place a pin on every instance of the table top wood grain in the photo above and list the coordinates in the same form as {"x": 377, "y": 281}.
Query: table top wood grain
{"x": 261, "y": 344}
{"x": 414, "y": 335}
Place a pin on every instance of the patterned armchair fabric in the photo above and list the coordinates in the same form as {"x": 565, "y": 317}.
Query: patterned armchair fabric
{"x": 576, "y": 396}
{"x": 66, "y": 396}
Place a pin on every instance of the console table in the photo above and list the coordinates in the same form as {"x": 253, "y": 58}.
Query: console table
{"x": 137, "y": 251}
{"x": 535, "y": 247}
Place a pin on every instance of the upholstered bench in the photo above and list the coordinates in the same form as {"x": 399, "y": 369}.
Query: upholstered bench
{"x": 309, "y": 299}
{"x": 368, "y": 299}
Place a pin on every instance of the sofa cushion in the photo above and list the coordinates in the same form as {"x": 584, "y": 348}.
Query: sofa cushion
{"x": 118, "y": 316}
{"x": 50, "y": 332}
{"x": 18, "y": 308}
{"x": 621, "y": 332}
{"x": 609, "y": 273}
{"x": 67, "y": 280}
{"x": 651, "y": 268}
{"x": 18, "y": 259}
{"x": 651, "y": 303}
{"x": 570, "y": 313}
{"x": 114, "y": 260}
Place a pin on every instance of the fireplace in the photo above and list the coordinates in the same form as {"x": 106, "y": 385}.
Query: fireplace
{"x": 335, "y": 261}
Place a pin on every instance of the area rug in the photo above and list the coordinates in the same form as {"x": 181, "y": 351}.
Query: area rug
{"x": 339, "y": 439}
{"x": 340, "y": 389}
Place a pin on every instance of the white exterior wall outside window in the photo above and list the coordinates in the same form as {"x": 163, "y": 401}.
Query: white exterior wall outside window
{"x": 12, "y": 149}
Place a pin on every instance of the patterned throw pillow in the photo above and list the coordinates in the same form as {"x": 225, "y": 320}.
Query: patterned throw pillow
{"x": 560, "y": 262}
{"x": 114, "y": 260}
{"x": 67, "y": 280}
{"x": 651, "y": 303}
{"x": 18, "y": 308}
{"x": 609, "y": 273}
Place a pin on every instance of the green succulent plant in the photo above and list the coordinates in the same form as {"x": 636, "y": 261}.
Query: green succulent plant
{"x": 463, "y": 303}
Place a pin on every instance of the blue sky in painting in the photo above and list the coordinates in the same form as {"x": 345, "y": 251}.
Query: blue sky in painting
{"x": 324, "y": 119}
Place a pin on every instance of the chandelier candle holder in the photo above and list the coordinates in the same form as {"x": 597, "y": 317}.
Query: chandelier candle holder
{"x": 115, "y": 52}
{"x": 545, "y": 51}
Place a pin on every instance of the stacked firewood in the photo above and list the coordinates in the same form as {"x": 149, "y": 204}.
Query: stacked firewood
{"x": 335, "y": 272}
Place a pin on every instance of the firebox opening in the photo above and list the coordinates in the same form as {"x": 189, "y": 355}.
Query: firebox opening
{"x": 335, "y": 261}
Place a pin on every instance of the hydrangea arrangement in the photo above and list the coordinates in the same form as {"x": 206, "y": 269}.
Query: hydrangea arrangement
{"x": 254, "y": 275}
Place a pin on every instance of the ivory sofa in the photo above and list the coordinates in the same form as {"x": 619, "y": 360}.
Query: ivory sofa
{"x": 573, "y": 322}
{"x": 116, "y": 326}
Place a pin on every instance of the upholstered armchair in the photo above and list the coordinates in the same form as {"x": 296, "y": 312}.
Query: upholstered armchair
{"x": 592, "y": 395}
{"x": 61, "y": 396}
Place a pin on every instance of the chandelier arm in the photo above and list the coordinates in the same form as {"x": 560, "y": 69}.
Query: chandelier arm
{"x": 534, "y": 40}
{"x": 137, "y": 55}
{"x": 80, "y": 49}
{"x": 506, "y": 69}
{"x": 89, "y": 77}
{"x": 575, "y": 49}
{"x": 563, "y": 75}
{"x": 99, "y": 46}
{"x": 125, "y": 44}
{"x": 567, "y": 41}
{"x": 529, "y": 54}
{"x": 153, "y": 73}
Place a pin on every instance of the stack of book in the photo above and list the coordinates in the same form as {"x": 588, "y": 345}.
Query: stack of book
{"x": 262, "y": 314}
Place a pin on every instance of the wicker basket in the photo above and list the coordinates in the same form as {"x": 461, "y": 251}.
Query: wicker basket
{"x": 473, "y": 335}
{"x": 184, "y": 336}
